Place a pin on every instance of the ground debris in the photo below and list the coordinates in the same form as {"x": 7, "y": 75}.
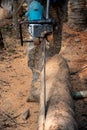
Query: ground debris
{"x": 4, "y": 83}
{"x": 26, "y": 114}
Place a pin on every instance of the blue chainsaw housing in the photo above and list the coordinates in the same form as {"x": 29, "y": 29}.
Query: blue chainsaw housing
{"x": 35, "y": 11}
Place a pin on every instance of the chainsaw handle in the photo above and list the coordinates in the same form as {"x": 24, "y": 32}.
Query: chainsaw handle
{"x": 47, "y": 21}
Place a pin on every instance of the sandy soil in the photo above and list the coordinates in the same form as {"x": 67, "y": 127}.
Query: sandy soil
{"x": 74, "y": 49}
{"x": 15, "y": 81}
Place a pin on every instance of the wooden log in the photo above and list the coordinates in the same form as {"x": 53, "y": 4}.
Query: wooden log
{"x": 59, "y": 103}
{"x": 77, "y": 15}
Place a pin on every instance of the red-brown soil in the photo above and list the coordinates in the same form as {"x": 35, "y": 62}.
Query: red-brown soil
{"x": 15, "y": 80}
{"x": 74, "y": 49}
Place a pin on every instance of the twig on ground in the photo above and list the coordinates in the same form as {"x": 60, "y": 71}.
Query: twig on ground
{"x": 12, "y": 119}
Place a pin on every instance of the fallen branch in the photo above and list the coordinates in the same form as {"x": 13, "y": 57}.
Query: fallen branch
{"x": 13, "y": 120}
{"x": 59, "y": 102}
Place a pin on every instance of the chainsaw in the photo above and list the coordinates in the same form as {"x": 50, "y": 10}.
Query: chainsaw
{"x": 39, "y": 27}
{"x": 38, "y": 24}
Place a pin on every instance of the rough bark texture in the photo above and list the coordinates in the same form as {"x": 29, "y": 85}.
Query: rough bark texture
{"x": 59, "y": 103}
{"x": 78, "y": 14}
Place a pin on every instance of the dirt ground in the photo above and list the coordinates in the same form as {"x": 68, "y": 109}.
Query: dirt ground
{"x": 15, "y": 80}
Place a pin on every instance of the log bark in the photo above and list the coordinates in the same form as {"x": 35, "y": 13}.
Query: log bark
{"x": 78, "y": 14}
{"x": 59, "y": 103}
